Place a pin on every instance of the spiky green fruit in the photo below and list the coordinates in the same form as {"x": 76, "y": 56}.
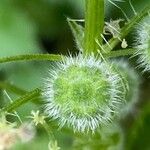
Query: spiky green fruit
{"x": 82, "y": 92}
{"x": 143, "y": 45}
{"x": 129, "y": 82}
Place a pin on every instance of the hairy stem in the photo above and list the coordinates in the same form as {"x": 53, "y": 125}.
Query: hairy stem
{"x": 22, "y": 100}
{"x": 94, "y": 22}
{"x": 42, "y": 57}
{"x": 127, "y": 28}
{"x": 119, "y": 53}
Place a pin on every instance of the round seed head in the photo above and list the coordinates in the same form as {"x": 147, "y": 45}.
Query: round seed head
{"x": 83, "y": 93}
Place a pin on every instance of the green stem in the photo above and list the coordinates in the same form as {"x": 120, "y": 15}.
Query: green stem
{"x": 42, "y": 57}
{"x": 119, "y": 53}
{"x": 94, "y": 22}
{"x": 49, "y": 131}
{"x": 22, "y": 100}
{"x": 127, "y": 28}
{"x": 12, "y": 88}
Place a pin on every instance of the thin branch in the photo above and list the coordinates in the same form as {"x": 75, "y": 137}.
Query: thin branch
{"x": 22, "y": 100}
{"x": 119, "y": 53}
{"x": 31, "y": 57}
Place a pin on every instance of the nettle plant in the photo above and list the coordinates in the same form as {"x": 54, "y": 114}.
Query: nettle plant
{"x": 91, "y": 91}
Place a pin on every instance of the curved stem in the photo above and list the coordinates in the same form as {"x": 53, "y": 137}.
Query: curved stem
{"x": 31, "y": 57}
{"x": 22, "y": 100}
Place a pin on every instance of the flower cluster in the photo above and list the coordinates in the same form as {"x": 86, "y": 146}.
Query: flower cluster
{"x": 37, "y": 117}
{"x": 10, "y": 134}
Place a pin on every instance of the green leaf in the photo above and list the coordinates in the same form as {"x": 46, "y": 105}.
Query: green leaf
{"x": 78, "y": 33}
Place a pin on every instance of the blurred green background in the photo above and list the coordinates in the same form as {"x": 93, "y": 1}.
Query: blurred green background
{"x": 40, "y": 26}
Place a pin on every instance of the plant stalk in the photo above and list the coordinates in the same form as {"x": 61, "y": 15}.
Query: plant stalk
{"x": 120, "y": 53}
{"x": 31, "y": 57}
{"x": 22, "y": 100}
{"x": 94, "y": 22}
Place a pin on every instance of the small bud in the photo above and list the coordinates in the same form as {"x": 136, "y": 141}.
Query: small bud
{"x": 124, "y": 44}
{"x": 53, "y": 145}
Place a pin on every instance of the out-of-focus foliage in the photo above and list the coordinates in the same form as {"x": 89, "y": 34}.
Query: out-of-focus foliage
{"x": 50, "y": 19}
{"x": 109, "y": 137}
{"x": 17, "y": 32}
{"x": 138, "y": 135}
{"x": 50, "y": 15}
{"x": 115, "y": 13}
